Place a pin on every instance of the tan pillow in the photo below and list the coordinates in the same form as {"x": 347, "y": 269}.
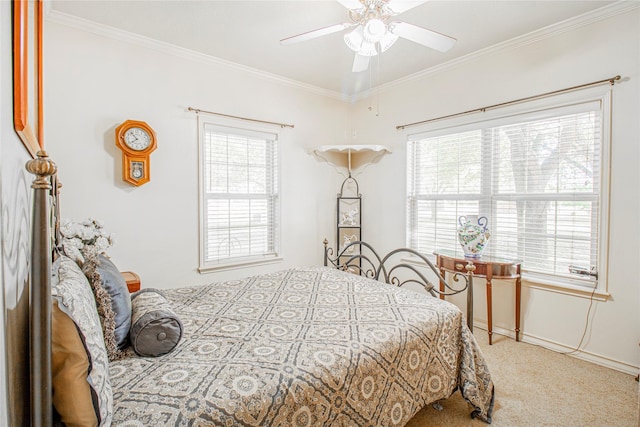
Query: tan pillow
{"x": 70, "y": 367}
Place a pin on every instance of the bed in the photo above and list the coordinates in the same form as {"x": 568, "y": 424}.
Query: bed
{"x": 307, "y": 346}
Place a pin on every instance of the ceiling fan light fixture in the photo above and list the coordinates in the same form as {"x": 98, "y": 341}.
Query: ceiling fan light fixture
{"x": 387, "y": 41}
{"x": 368, "y": 49}
{"x": 355, "y": 38}
{"x": 359, "y": 44}
{"x": 374, "y": 30}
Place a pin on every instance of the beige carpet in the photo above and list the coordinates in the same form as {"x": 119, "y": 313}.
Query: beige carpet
{"x": 538, "y": 387}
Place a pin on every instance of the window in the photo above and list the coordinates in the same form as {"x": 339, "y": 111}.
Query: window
{"x": 540, "y": 177}
{"x": 239, "y": 193}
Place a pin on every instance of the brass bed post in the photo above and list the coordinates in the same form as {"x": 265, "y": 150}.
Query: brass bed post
{"x": 40, "y": 304}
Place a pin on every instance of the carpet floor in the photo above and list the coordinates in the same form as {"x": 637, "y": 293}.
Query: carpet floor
{"x": 539, "y": 387}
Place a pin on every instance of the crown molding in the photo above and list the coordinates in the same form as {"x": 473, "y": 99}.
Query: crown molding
{"x": 579, "y": 21}
{"x": 82, "y": 24}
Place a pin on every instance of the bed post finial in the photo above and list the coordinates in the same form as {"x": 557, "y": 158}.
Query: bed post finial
{"x": 40, "y": 291}
{"x": 325, "y": 242}
{"x": 43, "y": 167}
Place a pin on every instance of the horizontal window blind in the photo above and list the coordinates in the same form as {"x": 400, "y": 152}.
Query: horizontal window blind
{"x": 241, "y": 203}
{"x": 536, "y": 177}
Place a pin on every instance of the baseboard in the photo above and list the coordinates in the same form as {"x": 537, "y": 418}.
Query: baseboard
{"x": 561, "y": 348}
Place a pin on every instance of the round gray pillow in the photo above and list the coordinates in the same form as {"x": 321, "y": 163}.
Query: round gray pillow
{"x": 155, "y": 328}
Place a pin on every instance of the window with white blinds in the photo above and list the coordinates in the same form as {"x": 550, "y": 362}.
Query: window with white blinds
{"x": 240, "y": 202}
{"x": 536, "y": 176}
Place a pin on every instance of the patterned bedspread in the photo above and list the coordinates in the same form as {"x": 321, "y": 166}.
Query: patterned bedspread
{"x": 303, "y": 347}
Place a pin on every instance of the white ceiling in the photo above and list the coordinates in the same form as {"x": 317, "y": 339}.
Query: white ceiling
{"x": 248, "y": 32}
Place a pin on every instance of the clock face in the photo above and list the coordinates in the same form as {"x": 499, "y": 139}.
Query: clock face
{"x": 137, "y": 139}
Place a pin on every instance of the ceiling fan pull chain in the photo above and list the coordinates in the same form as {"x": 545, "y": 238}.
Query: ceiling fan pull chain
{"x": 378, "y": 86}
{"x": 371, "y": 85}
{"x": 377, "y": 91}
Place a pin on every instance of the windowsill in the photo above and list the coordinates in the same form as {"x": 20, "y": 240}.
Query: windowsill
{"x": 238, "y": 265}
{"x": 566, "y": 289}
{"x": 545, "y": 285}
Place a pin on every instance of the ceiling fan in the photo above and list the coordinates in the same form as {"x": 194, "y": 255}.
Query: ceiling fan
{"x": 374, "y": 33}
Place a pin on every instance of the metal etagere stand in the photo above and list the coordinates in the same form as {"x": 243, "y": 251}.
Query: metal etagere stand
{"x": 349, "y": 218}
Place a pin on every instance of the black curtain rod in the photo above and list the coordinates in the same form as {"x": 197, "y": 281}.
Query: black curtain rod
{"x": 282, "y": 125}
{"x": 611, "y": 81}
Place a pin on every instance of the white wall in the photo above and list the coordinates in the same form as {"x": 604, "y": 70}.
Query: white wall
{"x": 594, "y": 52}
{"x": 93, "y": 83}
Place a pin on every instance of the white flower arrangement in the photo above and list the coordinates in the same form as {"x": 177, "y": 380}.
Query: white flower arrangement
{"x": 84, "y": 239}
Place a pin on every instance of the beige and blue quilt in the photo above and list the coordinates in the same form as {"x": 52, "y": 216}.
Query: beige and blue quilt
{"x": 303, "y": 347}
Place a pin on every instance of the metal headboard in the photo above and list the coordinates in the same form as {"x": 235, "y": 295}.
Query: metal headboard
{"x": 399, "y": 267}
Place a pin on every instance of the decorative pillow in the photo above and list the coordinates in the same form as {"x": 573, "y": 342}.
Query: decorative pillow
{"x": 155, "y": 328}
{"x": 116, "y": 287}
{"x": 71, "y": 290}
{"x": 69, "y": 371}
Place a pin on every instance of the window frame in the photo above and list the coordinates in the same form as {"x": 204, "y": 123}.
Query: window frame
{"x": 205, "y": 266}
{"x": 495, "y": 117}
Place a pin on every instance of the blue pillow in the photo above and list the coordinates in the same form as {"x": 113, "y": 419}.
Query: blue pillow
{"x": 115, "y": 285}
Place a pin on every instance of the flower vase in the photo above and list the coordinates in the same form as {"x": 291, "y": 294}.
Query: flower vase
{"x": 473, "y": 235}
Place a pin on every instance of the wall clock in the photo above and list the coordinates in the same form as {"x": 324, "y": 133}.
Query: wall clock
{"x": 136, "y": 140}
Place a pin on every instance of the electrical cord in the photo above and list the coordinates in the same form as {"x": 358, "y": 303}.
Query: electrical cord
{"x": 586, "y": 325}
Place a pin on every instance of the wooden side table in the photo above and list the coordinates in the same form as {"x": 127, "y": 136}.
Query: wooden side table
{"x": 490, "y": 268}
{"x": 132, "y": 279}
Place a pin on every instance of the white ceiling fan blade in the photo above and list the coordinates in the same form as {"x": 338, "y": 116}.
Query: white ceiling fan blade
{"x": 351, "y": 4}
{"x": 401, "y": 6}
{"x": 316, "y": 33}
{"x": 422, "y": 36}
{"x": 360, "y": 63}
